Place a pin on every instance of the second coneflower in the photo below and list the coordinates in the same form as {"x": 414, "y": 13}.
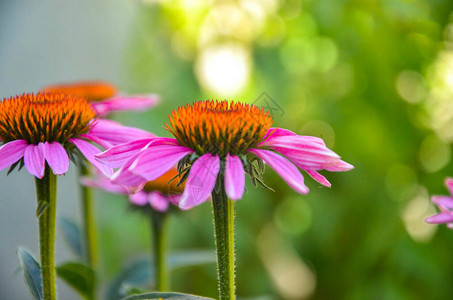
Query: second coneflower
{"x": 215, "y": 144}
{"x": 154, "y": 199}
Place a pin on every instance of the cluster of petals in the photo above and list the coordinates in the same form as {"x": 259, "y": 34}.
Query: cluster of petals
{"x": 445, "y": 204}
{"x": 284, "y": 151}
{"x": 157, "y": 200}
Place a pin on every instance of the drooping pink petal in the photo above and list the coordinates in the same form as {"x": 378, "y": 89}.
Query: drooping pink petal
{"x": 109, "y": 133}
{"x": 201, "y": 181}
{"x": 124, "y": 177}
{"x": 34, "y": 160}
{"x": 120, "y": 103}
{"x": 56, "y": 157}
{"x": 116, "y": 156}
{"x": 158, "y": 201}
{"x": 11, "y": 152}
{"x": 319, "y": 178}
{"x": 103, "y": 183}
{"x": 444, "y": 201}
{"x": 443, "y": 217}
{"x": 339, "y": 166}
{"x": 89, "y": 151}
{"x": 156, "y": 160}
{"x": 284, "y": 168}
{"x": 139, "y": 198}
{"x": 449, "y": 184}
{"x": 234, "y": 177}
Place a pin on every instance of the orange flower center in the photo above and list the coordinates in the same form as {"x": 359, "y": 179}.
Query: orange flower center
{"x": 93, "y": 91}
{"x": 164, "y": 185}
{"x": 219, "y": 127}
{"x": 44, "y": 117}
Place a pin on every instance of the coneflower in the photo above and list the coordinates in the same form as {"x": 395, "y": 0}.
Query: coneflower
{"x": 43, "y": 131}
{"x": 215, "y": 144}
{"x": 154, "y": 199}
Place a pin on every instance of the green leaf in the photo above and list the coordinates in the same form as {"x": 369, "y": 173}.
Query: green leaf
{"x": 32, "y": 273}
{"x": 72, "y": 235}
{"x": 157, "y": 296}
{"x": 139, "y": 273}
{"x": 79, "y": 276}
{"x": 42, "y": 206}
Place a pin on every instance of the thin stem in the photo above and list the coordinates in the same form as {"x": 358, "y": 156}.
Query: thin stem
{"x": 224, "y": 237}
{"x": 46, "y": 194}
{"x": 159, "y": 242}
{"x": 90, "y": 233}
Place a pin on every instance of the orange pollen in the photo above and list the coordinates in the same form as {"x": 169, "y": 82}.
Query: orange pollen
{"x": 164, "y": 184}
{"x": 93, "y": 91}
{"x": 44, "y": 118}
{"x": 219, "y": 127}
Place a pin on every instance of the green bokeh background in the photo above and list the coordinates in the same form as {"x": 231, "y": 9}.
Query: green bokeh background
{"x": 333, "y": 68}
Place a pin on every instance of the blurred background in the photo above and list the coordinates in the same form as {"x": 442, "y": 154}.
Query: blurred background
{"x": 374, "y": 79}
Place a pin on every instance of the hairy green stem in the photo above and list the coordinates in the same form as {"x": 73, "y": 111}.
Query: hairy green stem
{"x": 159, "y": 240}
{"x": 89, "y": 223}
{"x": 46, "y": 194}
{"x": 224, "y": 238}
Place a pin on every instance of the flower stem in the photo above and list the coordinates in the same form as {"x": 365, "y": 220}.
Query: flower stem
{"x": 158, "y": 221}
{"x": 91, "y": 246}
{"x": 224, "y": 237}
{"x": 46, "y": 194}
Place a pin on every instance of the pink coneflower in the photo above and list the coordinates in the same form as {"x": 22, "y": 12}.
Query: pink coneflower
{"x": 445, "y": 204}
{"x": 104, "y": 96}
{"x": 222, "y": 137}
{"x": 41, "y": 128}
{"x": 158, "y": 194}
{"x": 215, "y": 144}
{"x": 154, "y": 199}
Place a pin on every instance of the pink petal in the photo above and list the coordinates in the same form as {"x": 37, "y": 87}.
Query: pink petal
{"x": 444, "y": 201}
{"x": 201, "y": 181}
{"x": 444, "y": 217}
{"x": 89, "y": 151}
{"x": 284, "y": 168}
{"x": 449, "y": 184}
{"x": 318, "y": 177}
{"x": 116, "y": 156}
{"x": 155, "y": 161}
{"x": 56, "y": 157}
{"x": 103, "y": 183}
{"x": 340, "y": 166}
{"x": 234, "y": 177}
{"x": 175, "y": 199}
{"x": 275, "y": 132}
{"x": 124, "y": 177}
{"x": 121, "y": 103}
{"x": 108, "y": 133}
{"x": 34, "y": 160}
{"x": 140, "y": 198}
{"x": 11, "y": 152}
{"x": 158, "y": 201}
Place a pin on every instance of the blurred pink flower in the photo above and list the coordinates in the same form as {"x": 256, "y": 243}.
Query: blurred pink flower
{"x": 159, "y": 193}
{"x": 103, "y": 96}
{"x": 221, "y": 137}
{"x": 445, "y": 204}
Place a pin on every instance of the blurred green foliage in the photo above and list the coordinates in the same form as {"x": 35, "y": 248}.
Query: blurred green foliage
{"x": 356, "y": 73}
